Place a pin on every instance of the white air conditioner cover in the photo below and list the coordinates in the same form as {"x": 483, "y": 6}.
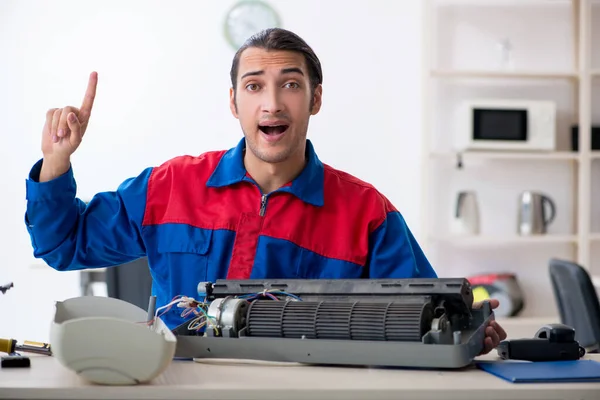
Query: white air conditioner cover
{"x": 106, "y": 341}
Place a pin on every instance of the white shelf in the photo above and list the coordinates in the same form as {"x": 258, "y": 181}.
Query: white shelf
{"x": 498, "y": 155}
{"x": 493, "y": 3}
{"x": 508, "y": 240}
{"x": 511, "y": 240}
{"x": 504, "y": 74}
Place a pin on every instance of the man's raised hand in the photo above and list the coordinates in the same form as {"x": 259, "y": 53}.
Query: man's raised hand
{"x": 63, "y": 131}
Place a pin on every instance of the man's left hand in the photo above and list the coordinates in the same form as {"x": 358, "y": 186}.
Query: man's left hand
{"x": 494, "y": 333}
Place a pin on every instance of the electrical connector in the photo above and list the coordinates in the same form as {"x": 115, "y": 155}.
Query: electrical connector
{"x": 186, "y": 302}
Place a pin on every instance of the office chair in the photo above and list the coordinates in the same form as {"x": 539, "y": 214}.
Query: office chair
{"x": 577, "y": 302}
{"x": 131, "y": 282}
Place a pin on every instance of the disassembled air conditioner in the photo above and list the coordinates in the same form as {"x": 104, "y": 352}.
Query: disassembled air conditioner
{"x": 428, "y": 323}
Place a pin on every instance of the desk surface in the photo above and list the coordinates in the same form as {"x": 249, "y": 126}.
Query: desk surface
{"x": 216, "y": 379}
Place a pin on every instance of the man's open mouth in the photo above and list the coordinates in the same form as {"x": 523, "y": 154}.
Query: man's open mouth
{"x": 274, "y": 129}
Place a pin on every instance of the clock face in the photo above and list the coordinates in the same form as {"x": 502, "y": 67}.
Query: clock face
{"x": 247, "y": 18}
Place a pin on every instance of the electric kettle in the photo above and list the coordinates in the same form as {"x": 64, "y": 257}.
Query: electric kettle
{"x": 465, "y": 218}
{"x": 533, "y": 217}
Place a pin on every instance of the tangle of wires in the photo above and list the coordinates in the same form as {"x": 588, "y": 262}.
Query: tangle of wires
{"x": 270, "y": 294}
{"x": 191, "y": 308}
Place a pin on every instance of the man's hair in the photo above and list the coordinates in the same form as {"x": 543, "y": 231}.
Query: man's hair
{"x": 281, "y": 39}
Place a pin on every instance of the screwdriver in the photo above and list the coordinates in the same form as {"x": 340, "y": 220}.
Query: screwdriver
{"x": 11, "y": 346}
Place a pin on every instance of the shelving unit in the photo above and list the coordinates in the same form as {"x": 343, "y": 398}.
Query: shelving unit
{"x": 496, "y": 155}
{"x": 555, "y": 60}
{"x": 501, "y": 241}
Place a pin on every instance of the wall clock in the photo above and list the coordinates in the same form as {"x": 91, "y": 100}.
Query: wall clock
{"x": 246, "y": 18}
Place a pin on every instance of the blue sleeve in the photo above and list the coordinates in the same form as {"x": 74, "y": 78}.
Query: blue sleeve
{"x": 395, "y": 253}
{"x": 69, "y": 234}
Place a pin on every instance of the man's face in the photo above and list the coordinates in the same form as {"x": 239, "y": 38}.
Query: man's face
{"x": 274, "y": 103}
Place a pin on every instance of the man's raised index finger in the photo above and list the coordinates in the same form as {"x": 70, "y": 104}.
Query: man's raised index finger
{"x": 90, "y": 95}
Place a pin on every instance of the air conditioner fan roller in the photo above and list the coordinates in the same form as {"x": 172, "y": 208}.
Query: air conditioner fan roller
{"x": 357, "y": 320}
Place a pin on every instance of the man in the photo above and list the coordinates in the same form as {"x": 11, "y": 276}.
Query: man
{"x": 268, "y": 208}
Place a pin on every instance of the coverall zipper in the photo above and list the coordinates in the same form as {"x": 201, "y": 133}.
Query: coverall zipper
{"x": 263, "y": 205}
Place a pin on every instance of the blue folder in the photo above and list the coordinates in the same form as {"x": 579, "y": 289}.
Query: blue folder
{"x": 545, "y": 371}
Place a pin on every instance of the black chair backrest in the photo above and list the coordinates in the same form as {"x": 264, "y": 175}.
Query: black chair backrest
{"x": 131, "y": 282}
{"x": 577, "y": 301}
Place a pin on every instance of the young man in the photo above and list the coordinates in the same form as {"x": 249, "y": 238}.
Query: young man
{"x": 267, "y": 208}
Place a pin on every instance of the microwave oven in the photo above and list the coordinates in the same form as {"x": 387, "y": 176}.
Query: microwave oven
{"x": 506, "y": 124}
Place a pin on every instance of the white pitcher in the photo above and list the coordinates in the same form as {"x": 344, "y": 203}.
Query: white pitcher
{"x": 465, "y": 216}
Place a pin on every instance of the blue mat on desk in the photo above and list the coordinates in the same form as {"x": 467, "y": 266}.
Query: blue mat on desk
{"x": 545, "y": 371}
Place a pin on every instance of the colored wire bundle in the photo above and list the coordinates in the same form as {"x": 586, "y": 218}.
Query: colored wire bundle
{"x": 269, "y": 294}
{"x": 190, "y": 306}
{"x": 197, "y": 310}
{"x": 202, "y": 318}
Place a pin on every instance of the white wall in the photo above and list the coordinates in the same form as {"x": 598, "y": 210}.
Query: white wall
{"x": 163, "y": 91}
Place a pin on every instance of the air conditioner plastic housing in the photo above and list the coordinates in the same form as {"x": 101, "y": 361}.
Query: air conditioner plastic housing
{"x": 106, "y": 341}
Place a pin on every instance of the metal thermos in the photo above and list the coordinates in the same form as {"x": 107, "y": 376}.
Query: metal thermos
{"x": 534, "y": 217}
